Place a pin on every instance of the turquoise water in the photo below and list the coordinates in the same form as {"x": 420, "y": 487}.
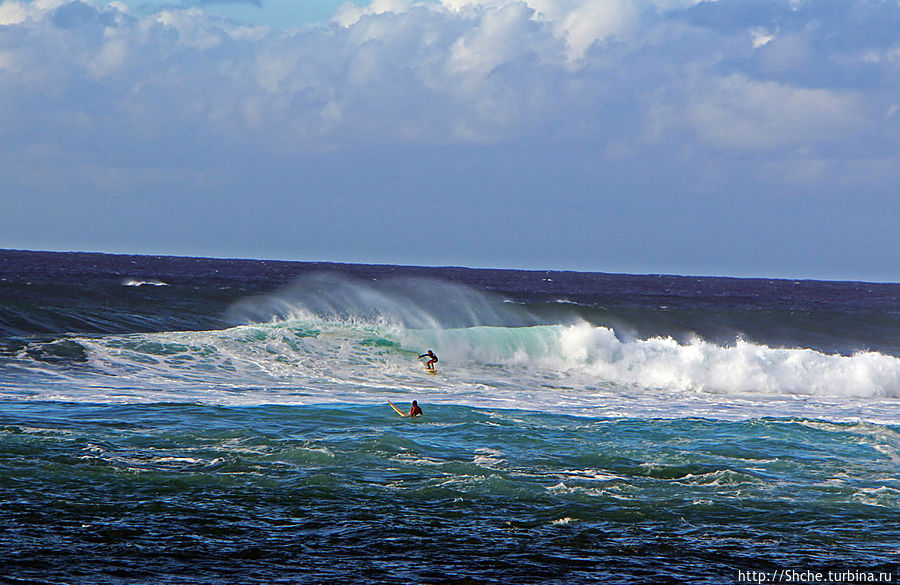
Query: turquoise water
{"x": 188, "y": 493}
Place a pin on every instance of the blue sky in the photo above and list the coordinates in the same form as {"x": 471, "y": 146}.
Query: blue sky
{"x": 275, "y": 13}
{"x": 645, "y": 136}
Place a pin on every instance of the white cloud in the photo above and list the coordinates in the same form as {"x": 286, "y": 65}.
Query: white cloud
{"x": 496, "y": 40}
{"x": 584, "y": 22}
{"x": 761, "y": 37}
{"x": 349, "y": 13}
{"x": 193, "y": 27}
{"x": 16, "y": 12}
{"x": 13, "y": 13}
{"x": 740, "y": 113}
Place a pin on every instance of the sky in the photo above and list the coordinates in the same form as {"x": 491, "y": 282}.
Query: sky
{"x": 730, "y": 137}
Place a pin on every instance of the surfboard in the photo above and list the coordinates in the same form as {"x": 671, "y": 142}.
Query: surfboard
{"x": 400, "y": 412}
{"x": 431, "y": 371}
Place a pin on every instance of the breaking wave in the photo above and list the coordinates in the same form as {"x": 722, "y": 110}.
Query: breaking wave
{"x": 331, "y": 339}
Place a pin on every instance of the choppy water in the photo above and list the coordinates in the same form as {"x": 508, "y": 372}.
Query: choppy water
{"x": 182, "y": 420}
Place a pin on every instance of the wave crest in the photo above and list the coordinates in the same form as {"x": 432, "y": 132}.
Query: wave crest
{"x": 744, "y": 367}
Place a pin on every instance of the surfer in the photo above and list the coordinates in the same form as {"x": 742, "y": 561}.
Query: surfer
{"x": 416, "y": 410}
{"x": 432, "y": 359}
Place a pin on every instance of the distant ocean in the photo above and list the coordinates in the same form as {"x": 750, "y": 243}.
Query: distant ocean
{"x": 183, "y": 420}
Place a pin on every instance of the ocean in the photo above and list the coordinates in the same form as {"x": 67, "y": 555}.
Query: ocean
{"x": 185, "y": 420}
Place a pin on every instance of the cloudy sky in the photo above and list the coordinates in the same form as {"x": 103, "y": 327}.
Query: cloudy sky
{"x": 742, "y": 138}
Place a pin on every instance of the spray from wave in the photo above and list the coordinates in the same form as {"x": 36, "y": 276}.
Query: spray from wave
{"x": 414, "y": 303}
{"x": 473, "y": 330}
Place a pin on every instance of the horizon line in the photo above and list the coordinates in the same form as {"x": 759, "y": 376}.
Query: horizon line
{"x": 453, "y": 266}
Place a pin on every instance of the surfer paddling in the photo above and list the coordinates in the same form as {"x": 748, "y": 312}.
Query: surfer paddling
{"x": 415, "y": 411}
{"x": 432, "y": 359}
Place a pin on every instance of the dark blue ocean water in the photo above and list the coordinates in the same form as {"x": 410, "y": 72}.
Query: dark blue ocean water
{"x": 175, "y": 420}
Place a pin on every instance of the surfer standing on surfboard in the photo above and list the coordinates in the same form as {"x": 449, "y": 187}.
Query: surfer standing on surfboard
{"x": 429, "y": 365}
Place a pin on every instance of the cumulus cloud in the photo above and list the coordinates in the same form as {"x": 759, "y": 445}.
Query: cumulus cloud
{"x": 446, "y": 72}
{"x": 616, "y": 76}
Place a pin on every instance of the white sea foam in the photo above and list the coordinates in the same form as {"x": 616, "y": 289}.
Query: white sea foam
{"x": 742, "y": 368}
{"x": 882, "y": 496}
{"x": 720, "y": 478}
{"x": 590, "y": 475}
{"x": 139, "y": 282}
{"x": 489, "y": 458}
{"x": 576, "y": 368}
